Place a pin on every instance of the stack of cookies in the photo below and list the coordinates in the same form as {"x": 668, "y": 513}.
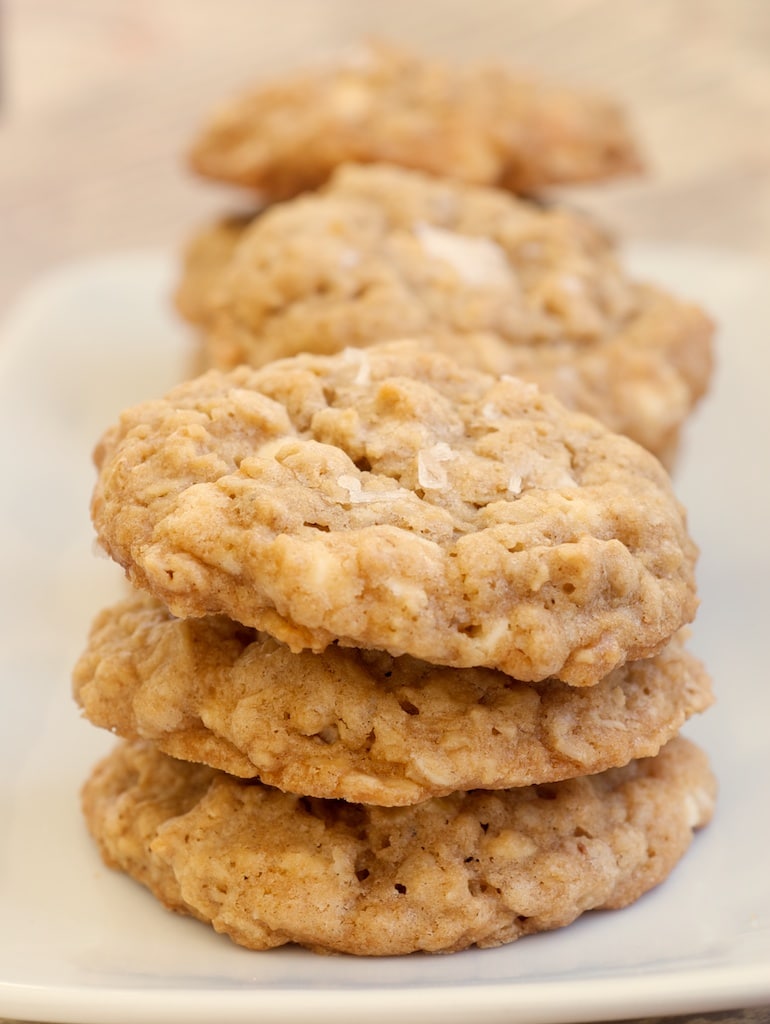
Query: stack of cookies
{"x": 423, "y": 627}
{"x": 404, "y": 663}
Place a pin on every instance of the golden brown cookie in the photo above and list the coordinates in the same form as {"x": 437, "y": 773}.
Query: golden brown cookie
{"x": 362, "y": 725}
{"x": 388, "y": 498}
{"x": 501, "y": 284}
{"x": 477, "y": 123}
{"x": 204, "y": 259}
{"x": 267, "y": 868}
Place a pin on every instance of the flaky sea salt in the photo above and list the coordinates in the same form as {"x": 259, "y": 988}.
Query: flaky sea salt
{"x": 537, "y": 474}
{"x": 431, "y": 472}
{"x": 525, "y": 390}
{"x": 515, "y": 483}
{"x": 358, "y": 496}
{"x": 358, "y": 357}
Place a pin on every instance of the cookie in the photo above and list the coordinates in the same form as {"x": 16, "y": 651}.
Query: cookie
{"x": 364, "y": 726}
{"x": 480, "y": 868}
{"x": 204, "y": 259}
{"x": 390, "y": 499}
{"x": 501, "y": 284}
{"x": 383, "y": 104}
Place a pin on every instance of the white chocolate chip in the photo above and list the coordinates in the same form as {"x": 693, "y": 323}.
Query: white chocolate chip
{"x": 478, "y": 261}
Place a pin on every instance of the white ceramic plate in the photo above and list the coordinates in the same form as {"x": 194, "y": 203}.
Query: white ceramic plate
{"x": 81, "y": 943}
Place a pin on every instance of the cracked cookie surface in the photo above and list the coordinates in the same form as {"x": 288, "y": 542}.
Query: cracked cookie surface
{"x": 479, "y": 124}
{"x": 389, "y": 499}
{"x": 501, "y": 284}
{"x": 361, "y": 725}
{"x": 267, "y": 868}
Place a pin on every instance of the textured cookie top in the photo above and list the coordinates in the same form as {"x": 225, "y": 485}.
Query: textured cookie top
{"x": 478, "y": 868}
{"x": 362, "y": 725}
{"x": 500, "y": 283}
{"x": 389, "y": 499}
{"x": 479, "y": 124}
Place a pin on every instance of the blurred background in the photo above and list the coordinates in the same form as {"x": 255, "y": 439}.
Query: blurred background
{"x": 101, "y": 98}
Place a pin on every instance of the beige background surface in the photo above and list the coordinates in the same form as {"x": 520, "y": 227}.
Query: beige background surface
{"x": 100, "y": 98}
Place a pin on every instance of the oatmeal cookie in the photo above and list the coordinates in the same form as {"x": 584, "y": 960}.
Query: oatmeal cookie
{"x": 479, "y": 868}
{"x": 205, "y": 257}
{"x": 502, "y": 284}
{"x": 388, "y": 498}
{"x": 362, "y": 725}
{"x": 477, "y": 123}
